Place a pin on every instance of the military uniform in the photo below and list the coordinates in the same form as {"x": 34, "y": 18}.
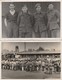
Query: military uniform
{"x": 40, "y": 26}
{"x": 25, "y": 25}
{"x": 12, "y": 25}
{"x": 53, "y": 25}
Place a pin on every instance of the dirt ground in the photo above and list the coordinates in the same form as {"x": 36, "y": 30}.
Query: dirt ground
{"x": 9, "y": 74}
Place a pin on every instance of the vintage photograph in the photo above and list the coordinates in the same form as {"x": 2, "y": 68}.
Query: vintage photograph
{"x": 30, "y": 60}
{"x": 30, "y": 19}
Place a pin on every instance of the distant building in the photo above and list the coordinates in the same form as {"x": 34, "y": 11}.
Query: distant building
{"x": 39, "y": 53}
{"x": 31, "y": 53}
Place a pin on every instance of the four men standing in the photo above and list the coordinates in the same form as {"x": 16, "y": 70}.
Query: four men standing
{"x": 23, "y": 24}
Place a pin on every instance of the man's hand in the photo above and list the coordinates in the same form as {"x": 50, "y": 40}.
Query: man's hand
{"x": 5, "y": 22}
{"x": 57, "y": 20}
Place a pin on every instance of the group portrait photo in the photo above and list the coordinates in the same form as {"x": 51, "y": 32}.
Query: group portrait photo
{"x": 30, "y": 19}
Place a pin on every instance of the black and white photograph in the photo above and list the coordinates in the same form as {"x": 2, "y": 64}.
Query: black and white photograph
{"x": 30, "y": 60}
{"x": 30, "y": 39}
{"x": 31, "y": 19}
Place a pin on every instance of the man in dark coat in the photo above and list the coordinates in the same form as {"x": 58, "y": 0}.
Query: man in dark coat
{"x": 53, "y": 21}
{"x": 39, "y": 22}
{"x": 25, "y": 23}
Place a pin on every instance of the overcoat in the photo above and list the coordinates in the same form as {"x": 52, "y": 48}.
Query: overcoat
{"x": 39, "y": 23}
{"x": 25, "y": 22}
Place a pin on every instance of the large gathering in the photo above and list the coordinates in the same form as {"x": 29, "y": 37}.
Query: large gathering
{"x": 24, "y": 24}
{"x": 34, "y": 63}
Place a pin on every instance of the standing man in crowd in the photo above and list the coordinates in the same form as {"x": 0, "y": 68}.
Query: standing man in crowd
{"x": 39, "y": 22}
{"x": 10, "y": 21}
{"x": 53, "y": 21}
{"x": 25, "y": 23}
{"x": 43, "y": 65}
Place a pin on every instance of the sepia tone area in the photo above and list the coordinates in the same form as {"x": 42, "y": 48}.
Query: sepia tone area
{"x": 34, "y": 27}
{"x": 31, "y": 60}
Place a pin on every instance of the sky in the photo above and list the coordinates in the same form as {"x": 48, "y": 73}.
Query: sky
{"x": 30, "y": 45}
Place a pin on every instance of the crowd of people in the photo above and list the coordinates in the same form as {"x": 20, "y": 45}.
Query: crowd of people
{"x": 47, "y": 65}
{"x": 42, "y": 24}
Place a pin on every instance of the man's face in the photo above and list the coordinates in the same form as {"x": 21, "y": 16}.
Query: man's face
{"x": 50, "y": 7}
{"x": 12, "y": 8}
{"x": 38, "y": 9}
{"x": 25, "y": 9}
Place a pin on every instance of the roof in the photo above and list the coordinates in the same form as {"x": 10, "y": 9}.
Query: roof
{"x": 34, "y": 52}
{"x": 40, "y": 52}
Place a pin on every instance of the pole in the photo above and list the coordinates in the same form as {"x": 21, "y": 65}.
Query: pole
{"x": 24, "y": 46}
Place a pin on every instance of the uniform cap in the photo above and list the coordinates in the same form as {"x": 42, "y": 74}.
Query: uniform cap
{"x": 11, "y": 5}
{"x": 38, "y": 4}
{"x": 50, "y": 5}
{"x": 25, "y": 6}
{"x": 47, "y": 56}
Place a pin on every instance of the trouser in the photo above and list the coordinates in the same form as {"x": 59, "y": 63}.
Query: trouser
{"x": 2, "y": 66}
{"x": 12, "y": 30}
{"x": 43, "y": 68}
{"x": 50, "y": 70}
{"x": 25, "y": 34}
{"x": 55, "y": 33}
{"x": 22, "y": 68}
{"x": 46, "y": 70}
{"x": 58, "y": 69}
{"x": 37, "y": 68}
{"x": 55, "y": 69}
{"x": 41, "y": 34}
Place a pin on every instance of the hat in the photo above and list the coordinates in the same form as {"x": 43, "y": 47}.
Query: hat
{"x": 50, "y": 5}
{"x": 47, "y": 56}
{"x": 25, "y": 6}
{"x": 11, "y": 5}
{"x": 38, "y": 4}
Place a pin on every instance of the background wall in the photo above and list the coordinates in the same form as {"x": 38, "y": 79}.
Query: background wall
{"x": 31, "y": 7}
